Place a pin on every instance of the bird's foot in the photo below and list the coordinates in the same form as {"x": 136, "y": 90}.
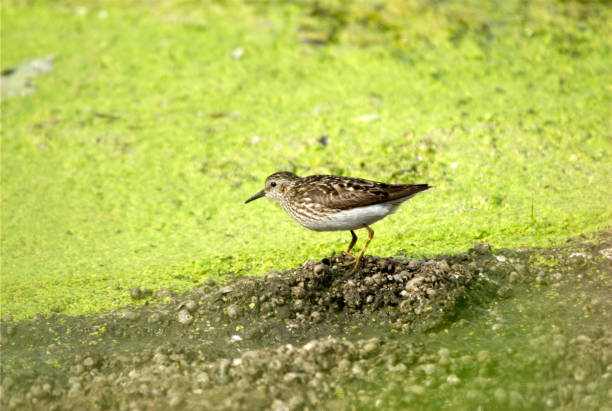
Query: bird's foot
{"x": 352, "y": 257}
{"x": 355, "y": 267}
{"x": 355, "y": 260}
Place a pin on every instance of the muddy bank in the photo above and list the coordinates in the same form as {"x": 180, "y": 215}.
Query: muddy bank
{"x": 519, "y": 329}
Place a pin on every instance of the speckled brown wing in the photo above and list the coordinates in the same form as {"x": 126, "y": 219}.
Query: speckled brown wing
{"x": 341, "y": 193}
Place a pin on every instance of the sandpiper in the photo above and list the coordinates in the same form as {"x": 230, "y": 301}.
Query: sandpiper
{"x": 334, "y": 203}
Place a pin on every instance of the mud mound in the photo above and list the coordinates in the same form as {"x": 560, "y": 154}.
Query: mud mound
{"x": 316, "y": 337}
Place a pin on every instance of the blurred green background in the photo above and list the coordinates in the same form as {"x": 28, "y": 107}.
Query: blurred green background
{"x": 129, "y": 164}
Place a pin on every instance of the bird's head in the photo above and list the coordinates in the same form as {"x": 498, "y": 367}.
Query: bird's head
{"x": 276, "y": 184}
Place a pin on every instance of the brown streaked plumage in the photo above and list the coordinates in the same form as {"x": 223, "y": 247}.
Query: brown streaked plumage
{"x": 332, "y": 203}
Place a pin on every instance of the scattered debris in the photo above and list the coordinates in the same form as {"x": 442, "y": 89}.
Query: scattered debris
{"x": 17, "y": 81}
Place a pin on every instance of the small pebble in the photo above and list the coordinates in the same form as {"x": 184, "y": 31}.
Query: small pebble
{"x": 190, "y": 306}
{"x": 233, "y": 311}
{"x": 416, "y": 389}
{"x": 429, "y": 369}
{"x": 371, "y": 346}
{"x": 315, "y": 317}
{"x": 89, "y": 362}
{"x": 453, "y": 379}
{"x": 162, "y": 293}
{"x": 226, "y": 290}
{"x": 184, "y": 317}
{"x": 320, "y": 269}
{"x": 443, "y": 266}
{"x": 580, "y": 374}
{"x": 414, "y": 265}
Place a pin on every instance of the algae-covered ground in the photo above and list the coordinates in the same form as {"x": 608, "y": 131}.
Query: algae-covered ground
{"x": 487, "y": 329}
{"x": 128, "y": 164}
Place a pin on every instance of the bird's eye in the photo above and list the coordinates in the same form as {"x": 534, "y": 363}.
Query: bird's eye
{"x": 273, "y": 184}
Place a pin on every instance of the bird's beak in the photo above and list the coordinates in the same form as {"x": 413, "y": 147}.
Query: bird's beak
{"x": 256, "y": 196}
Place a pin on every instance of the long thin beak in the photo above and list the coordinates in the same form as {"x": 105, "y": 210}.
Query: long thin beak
{"x": 256, "y": 196}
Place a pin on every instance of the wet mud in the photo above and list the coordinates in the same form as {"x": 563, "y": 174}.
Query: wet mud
{"x": 503, "y": 329}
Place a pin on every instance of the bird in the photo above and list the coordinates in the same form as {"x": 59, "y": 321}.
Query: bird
{"x": 337, "y": 203}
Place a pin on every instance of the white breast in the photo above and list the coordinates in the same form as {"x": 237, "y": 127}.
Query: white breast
{"x": 351, "y": 219}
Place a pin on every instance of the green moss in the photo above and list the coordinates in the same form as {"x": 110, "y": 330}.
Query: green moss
{"x": 130, "y": 165}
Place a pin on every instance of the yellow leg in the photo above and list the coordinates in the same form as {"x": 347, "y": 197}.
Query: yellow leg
{"x": 352, "y": 244}
{"x": 370, "y": 236}
{"x": 348, "y": 251}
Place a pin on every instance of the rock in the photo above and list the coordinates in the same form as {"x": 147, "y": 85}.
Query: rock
{"x": 444, "y": 352}
{"x": 443, "y": 266}
{"x": 89, "y": 363}
{"x": 226, "y": 290}
{"x": 163, "y": 293}
{"x": 416, "y": 389}
{"x": 292, "y": 376}
{"x": 298, "y": 292}
{"x": 429, "y": 369}
{"x": 130, "y": 315}
{"x": 414, "y": 265}
{"x": 581, "y": 340}
{"x": 452, "y": 379}
{"x": 184, "y": 317}
{"x": 136, "y": 293}
{"x": 298, "y": 305}
{"x": 174, "y": 397}
{"x": 405, "y": 307}
{"x": 271, "y": 274}
{"x": 580, "y": 374}
{"x": 357, "y": 370}
{"x": 320, "y": 269}
{"x": 315, "y": 317}
{"x": 189, "y": 305}
{"x": 36, "y": 391}
{"x": 233, "y": 311}
{"x": 279, "y": 405}
{"x": 210, "y": 282}
{"x": 402, "y": 275}
{"x": 481, "y": 248}
{"x": 412, "y": 285}
{"x": 370, "y": 347}
{"x": 398, "y": 368}
{"x": 202, "y": 378}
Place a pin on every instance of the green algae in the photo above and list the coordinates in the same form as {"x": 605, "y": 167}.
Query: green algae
{"x": 130, "y": 164}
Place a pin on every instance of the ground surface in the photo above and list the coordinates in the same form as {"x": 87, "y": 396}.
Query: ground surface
{"x": 127, "y": 165}
{"x": 487, "y": 329}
